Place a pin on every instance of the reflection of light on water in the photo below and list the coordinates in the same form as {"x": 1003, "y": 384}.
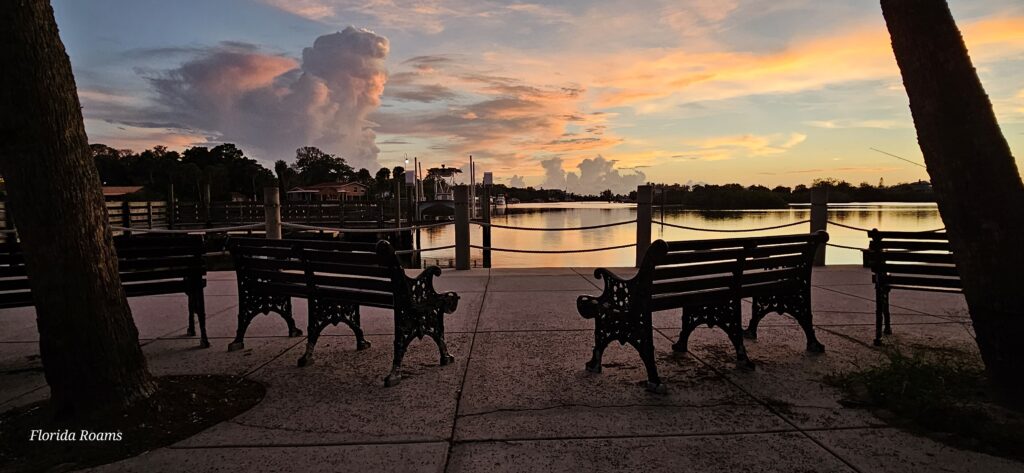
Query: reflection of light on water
{"x": 885, "y": 216}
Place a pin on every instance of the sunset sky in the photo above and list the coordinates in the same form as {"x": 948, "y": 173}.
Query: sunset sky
{"x": 717, "y": 91}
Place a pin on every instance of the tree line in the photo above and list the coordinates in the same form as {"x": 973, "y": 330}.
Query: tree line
{"x": 226, "y": 172}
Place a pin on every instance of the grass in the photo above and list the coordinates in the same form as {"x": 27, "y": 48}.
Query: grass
{"x": 941, "y": 393}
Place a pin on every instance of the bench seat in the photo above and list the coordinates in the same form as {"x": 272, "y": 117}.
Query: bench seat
{"x": 707, "y": 280}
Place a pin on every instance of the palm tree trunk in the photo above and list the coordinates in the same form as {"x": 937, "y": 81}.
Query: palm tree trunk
{"x": 88, "y": 341}
{"x": 975, "y": 177}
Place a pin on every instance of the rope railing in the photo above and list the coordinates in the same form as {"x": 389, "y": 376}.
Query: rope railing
{"x": 300, "y": 226}
{"x": 586, "y": 250}
{"x": 723, "y": 230}
{"x": 191, "y": 230}
{"x": 423, "y": 250}
{"x": 845, "y": 247}
{"x": 555, "y": 229}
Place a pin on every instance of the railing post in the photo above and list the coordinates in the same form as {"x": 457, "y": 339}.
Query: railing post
{"x": 644, "y": 197}
{"x": 172, "y": 207}
{"x": 819, "y": 219}
{"x": 485, "y": 211}
{"x": 272, "y": 211}
{"x": 461, "y": 228}
{"x": 126, "y": 215}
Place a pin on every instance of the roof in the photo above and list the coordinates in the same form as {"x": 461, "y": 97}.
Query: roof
{"x": 115, "y": 191}
{"x": 327, "y": 185}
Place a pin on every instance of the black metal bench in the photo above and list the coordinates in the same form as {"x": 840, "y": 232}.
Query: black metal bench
{"x": 337, "y": 278}
{"x": 914, "y": 261}
{"x": 148, "y": 265}
{"x": 707, "y": 279}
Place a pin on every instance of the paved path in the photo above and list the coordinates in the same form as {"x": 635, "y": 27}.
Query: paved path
{"x": 518, "y": 399}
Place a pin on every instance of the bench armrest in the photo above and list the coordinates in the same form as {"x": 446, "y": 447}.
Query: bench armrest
{"x": 423, "y": 291}
{"x": 617, "y": 295}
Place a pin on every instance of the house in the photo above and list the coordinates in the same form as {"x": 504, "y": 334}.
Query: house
{"x": 328, "y": 192}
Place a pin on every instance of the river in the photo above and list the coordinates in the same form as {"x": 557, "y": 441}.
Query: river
{"x": 883, "y": 215}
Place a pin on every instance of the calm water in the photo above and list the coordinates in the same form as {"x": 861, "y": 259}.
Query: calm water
{"x": 884, "y": 216}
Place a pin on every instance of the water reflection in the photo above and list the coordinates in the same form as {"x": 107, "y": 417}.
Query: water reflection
{"x": 885, "y": 216}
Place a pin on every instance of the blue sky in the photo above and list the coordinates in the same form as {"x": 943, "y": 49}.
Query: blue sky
{"x": 776, "y": 93}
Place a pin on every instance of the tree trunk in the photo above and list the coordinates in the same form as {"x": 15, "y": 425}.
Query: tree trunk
{"x": 975, "y": 177}
{"x": 87, "y": 339}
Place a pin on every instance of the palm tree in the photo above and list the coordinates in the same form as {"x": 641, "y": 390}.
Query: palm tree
{"x": 974, "y": 175}
{"x": 87, "y": 339}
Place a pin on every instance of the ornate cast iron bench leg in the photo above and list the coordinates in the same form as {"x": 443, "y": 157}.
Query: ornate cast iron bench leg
{"x": 881, "y": 314}
{"x": 797, "y": 305}
{"x": 646, "y": 349}
{"x": 726, "y": 316}
{"x": 252, "y": 305}
{"x": 322, "y": 314}
{"x": 415, "y": 323}
{"x": 197, "y": 306}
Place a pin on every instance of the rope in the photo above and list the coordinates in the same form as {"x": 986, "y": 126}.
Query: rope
{"x": 424, "y": 250}
{"x": 558, "y": 229}
{"x": 300, "y": 226}
{"x": 731, "y": 230}
{"x": 589, "y": 250}
{"x": 7, "y": 232}
{"x": 845, "y": 247}
{"x": 191, "y": 230}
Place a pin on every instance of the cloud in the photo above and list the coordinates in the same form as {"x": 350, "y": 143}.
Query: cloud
{"x": 595, "y": 175}
{"x": 516, "y": 181}
{"x": 849, "y": 123}
{"x": 275, "y": 105}
{"x": 739, "y": 146}
{"x": 498, "y": 119}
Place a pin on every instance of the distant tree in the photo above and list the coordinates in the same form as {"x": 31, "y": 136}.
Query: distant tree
{"x": 398, "y": 172}
{"x": 976, "y": 181}
{"x": 315, "y": 166}
{"x": 781, "y": 190}
{"x": 363, "y": 176}
{"x": 87, "y": 340}
{"x": 382, "y": 181}
{"x": 607, "y": 195}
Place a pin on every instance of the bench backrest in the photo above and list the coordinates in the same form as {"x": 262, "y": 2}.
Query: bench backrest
{"x": 147, "y": 265}
{"x": 918, "y": 260}
{"x": 358, "y": 273}
{"x": 679, "y": 273}
{"x": 160, "y": 264}
{"x": 14, "y": 286}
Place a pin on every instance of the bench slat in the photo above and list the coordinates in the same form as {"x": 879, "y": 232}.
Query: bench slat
{"x": 908, "y": 245}
{"x": 371, "y": 284}
{"x": 923, "y": 281}
{"x": 375, "y": 299}
{"x": 925, "y": 269}
{"x": 884, "y": 258}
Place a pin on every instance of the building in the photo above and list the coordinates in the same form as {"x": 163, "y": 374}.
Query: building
{"x": 119, "y": 192}
{"x": 328, "y": 192}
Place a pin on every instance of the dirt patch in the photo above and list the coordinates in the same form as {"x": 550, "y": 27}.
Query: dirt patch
{"x": 31, "y": 440}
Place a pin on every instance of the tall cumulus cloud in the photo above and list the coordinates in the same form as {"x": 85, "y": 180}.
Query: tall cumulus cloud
{"x": 595, "y": 175}
{"x": 275, "y": 105}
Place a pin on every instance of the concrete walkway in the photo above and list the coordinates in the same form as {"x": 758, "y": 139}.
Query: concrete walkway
{"x": 518, "y": 399}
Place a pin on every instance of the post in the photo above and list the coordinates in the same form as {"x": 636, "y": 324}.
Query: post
{"x": 207, "y": 205}
{"x": 461, "y": 227}
{"x": 644, "y": 197}
{"x": 149, "y": 214}
{"x": 398, "y": 204}
{"x": 486, "y": 215}
{"x": 126, "y": 215}
{"x": 171, "y": 211}
{"x": 272, "y": 212}
{"x": 819, "y": 219}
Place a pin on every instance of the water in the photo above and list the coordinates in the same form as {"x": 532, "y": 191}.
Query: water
{"x": 884, "y": 216}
